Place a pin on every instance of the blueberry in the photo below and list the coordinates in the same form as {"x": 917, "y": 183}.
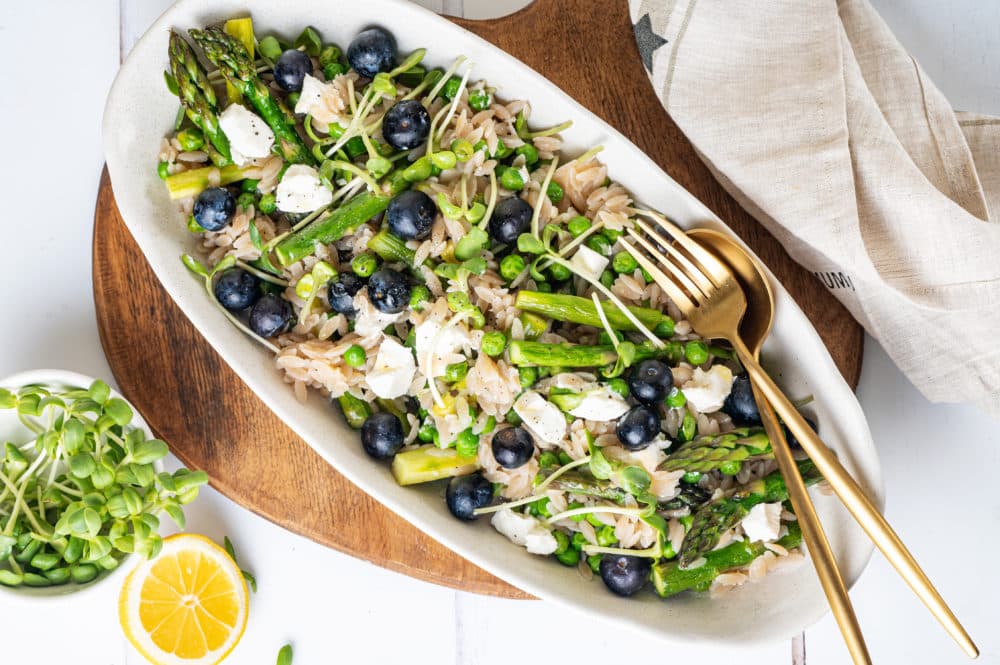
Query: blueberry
{"x": 740, "y": 405}
{"x": 290, "y": 70}
{"x": 236, "y": 289}
{"x": 405, "y": 126}
{"x": 650, "y": 381}
{"x": 371, "y": 52}
{"x": 411, "y": 215}
{"x": 389, "y": 291}
{"x": 513, "y": 447}
{"x": 342, "y": 291}
{"x": 466, "y": 493}
{"x": 382, "y": 435}
{"x": 510, "y": 218}
{"x": 637, "y": 428}
{"x": 623, "y": 574}
{"x": 270, "y": 316}
{"x": 790, "y": 438}
{"x": 214, "y": 208}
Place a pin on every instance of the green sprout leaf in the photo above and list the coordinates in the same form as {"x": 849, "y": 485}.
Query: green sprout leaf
{"x": 193, "y": 265}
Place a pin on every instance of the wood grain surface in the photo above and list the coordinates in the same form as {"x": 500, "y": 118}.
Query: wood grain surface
{"x": 212, "y": 421}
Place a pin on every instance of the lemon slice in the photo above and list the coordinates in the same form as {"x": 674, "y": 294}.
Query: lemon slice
{"x": 188, "y": 606}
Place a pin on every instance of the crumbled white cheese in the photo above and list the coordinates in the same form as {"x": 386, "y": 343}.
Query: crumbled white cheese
{"x": 248, "y": 134}
{"x": 541, "y": 416}
{"x": 708, "y": 390}
{"x": 588, "y": 263}
{"x": 572, "y": 381}
{"x": 763, "y": 523}
{"x": 369, "y": 321}
{"x": 392, "y": 373}
{"x": 301, "y": 190}
{"x": 525, "y": 530}
{"x": 311, "y": 94}
{"x": 445, "y": 345}
{"x": 601, "y": 404}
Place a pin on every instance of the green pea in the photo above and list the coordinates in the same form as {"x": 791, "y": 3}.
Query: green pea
{"x": 494, "y": 343}
{"x": 691, "y": 477}
{"x": 364, "y": 265}
{"x": 562, "y": 542}
{"x": 594, "y": 561}
{"x": 623, "y": 262}
{"x": 293, "y": 98}
{"x": 606, "y": 536}
{"x": 529, "y": 152}
{"x": 730, "y": 468}
{"x": 467, "y": 443}
{"x": 270, "y": 48}
{"x": 419, "y": 170}
{"x": 480, "y": 146}
{"x": 355, "y": 356}
{"x": 245, "y": 200}
{"x": 612, "y": 234}
{"x": 491, "y": 424}
{"x": 564, "y": 458}
{"x": 570, "y": 557}
{"x": 426, "y": 432}
{"x": 676, "y": 398}
{"x": 355, "y": 147}
{"x": 665, "y": 328}
{"x": 696, "y": 352}
{"x": 191, "y": 139}
{"x": 419, "y": 295}
{"x": 511, "y": 179}
{"x": 511, "y": 266}
{"x": 45, "y": 560}
{"x": 503, "y": 151}
{"x": 527, "y": 376}
{"x": 543, "y": 287}
{"x": 596, "y": 523}
{"x": 578, "y": 541}
{"x": 573, "y": 505}
{"x": 547, "y": 459}
{"x": 458, "y": 301}
{"x": 646, "y": 276}
{"x": 689, "y": 427}
{"x": 559, "y": 272}
{"x": 332, "y": 70}
{"x": 267, "y": 204}
{"x": 607, "y": 278}
{"x": 578, "y": 225}
{"x": 455, "y": 372}
{"x": 450, "y": 88}
{"x": 619, "y": 387}
{"x": 444, "y": 160}
{"x": 555, "y": 192}
{"x": 599, "y": 244}
{"x": 249, "y": 185}
{"x": 479, "y": 100}
{"x": 163, "y": 170}
{"x": 512, "y": 418}
{"x": 463, "y": 150}
{"x": 540, "y": 508}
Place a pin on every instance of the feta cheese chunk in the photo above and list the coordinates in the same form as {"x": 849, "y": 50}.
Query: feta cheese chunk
{"x": 601, "y": 404}
{"x": 248, "y": 134}
{"x": 301, "y": 190}
{"x": 708, "y": 390}
{"x": 442, "y": 345}
{"x": 543, "y": 417}
{"x": 392, "y": 373}
{"x": 524, "y": 530}
{"x": 763, "y": 523}
{"x": 369, "y": 321}
{"x": 588, "y": 262}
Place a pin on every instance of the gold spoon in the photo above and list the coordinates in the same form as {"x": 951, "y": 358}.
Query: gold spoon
{"x": 754, "y": 329}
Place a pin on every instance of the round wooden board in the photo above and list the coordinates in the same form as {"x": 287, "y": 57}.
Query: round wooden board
{"x": 180, "y": 385}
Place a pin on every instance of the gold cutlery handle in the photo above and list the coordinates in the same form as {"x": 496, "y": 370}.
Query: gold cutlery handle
{"x": 812, "y": 530}
{"x": 854, "y": 498}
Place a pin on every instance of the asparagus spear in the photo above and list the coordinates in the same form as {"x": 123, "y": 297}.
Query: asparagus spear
{"x": 724, "y": 452}
{"x": 575, "y": 309}
{"x": 356, "y": 411}
{"x": 197, "y": 95}
{"x": 577, "y": 483}
{"x": 669, "y": 578}
{"x": 331, "y": 228}
{"x": 391, "y": 248}
{"x": 237, "y": 67}
{"x": 190, "y": 183}
{"x": 715, "y": 518}
{"x": 523, "y": 352}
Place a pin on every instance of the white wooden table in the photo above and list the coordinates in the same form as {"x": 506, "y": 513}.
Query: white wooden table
{"x": 940, "y": 462}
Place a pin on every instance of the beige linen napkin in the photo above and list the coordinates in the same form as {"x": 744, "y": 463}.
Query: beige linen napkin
{"x": 816, "y": 120}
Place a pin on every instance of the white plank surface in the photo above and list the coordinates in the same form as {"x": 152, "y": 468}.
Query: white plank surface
{"x": 938, "y": 459}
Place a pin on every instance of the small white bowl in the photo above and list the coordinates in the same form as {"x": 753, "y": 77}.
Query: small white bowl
{"x": 11, "y": 429}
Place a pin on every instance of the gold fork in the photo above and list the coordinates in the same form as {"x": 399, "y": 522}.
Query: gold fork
{"x": 708, "y": 294}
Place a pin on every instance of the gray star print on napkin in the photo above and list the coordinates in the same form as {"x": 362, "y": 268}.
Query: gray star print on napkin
{"x": 647, "y": 41}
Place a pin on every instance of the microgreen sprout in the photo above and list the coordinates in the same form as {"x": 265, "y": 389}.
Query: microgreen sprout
{"x": 250, "y": 579}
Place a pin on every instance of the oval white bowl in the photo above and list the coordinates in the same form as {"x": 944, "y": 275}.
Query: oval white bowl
{"x": 12, "y": 430}
{"x": 140, "y": 111}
